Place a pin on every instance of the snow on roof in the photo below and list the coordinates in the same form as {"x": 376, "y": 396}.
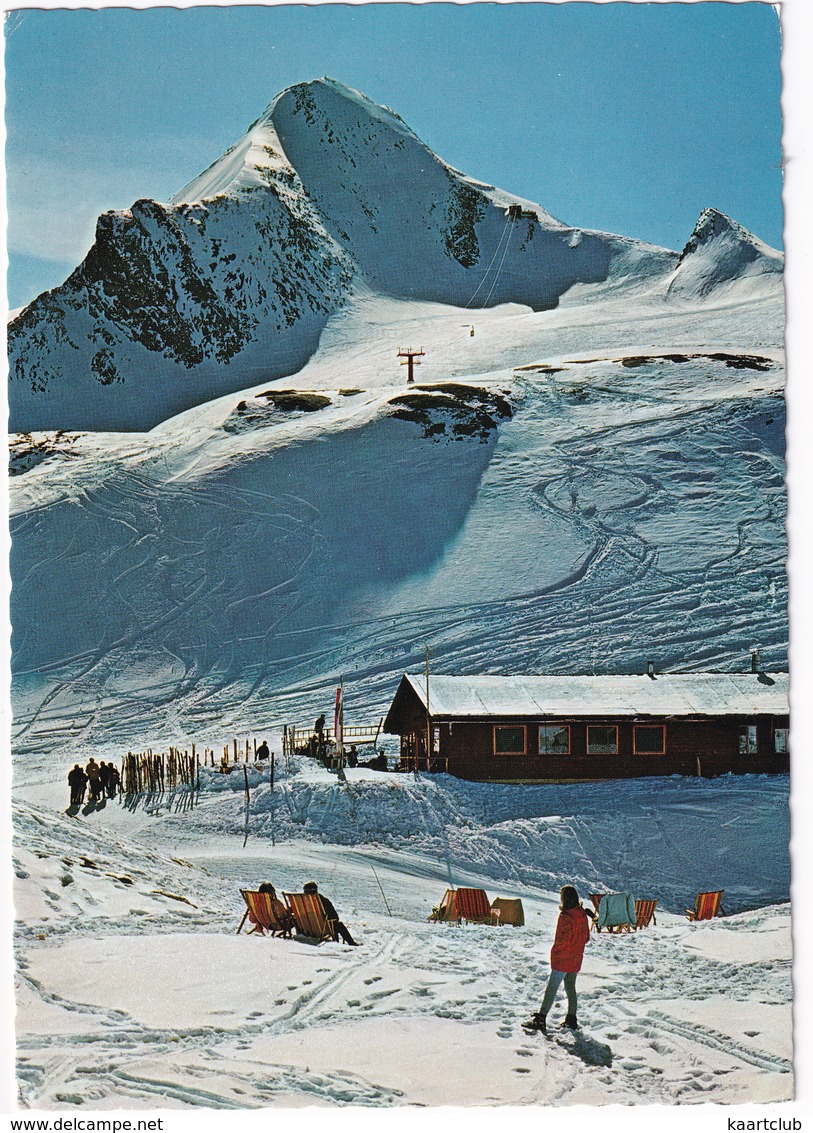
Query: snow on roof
{"x": 667, "y": 694}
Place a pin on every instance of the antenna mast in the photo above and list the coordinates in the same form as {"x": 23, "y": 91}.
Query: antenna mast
{"x": 428, "y": 717}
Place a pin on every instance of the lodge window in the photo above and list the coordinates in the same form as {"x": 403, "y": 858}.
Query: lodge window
{"x": 554, "y": 739}
{"x": 780, "y": 740}
{"x": 509, "y": 739}
{"x": 602, "y": 740}
{"x": 748, "y": 739}
{"x": 649, "y": 739}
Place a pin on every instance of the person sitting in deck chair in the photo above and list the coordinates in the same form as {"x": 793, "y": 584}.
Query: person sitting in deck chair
{"x": 280, "y": 911}
{"x": 340, "y": 930}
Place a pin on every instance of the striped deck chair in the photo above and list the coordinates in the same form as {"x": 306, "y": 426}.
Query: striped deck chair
{"x": 474, "y": 905}
{"x": 262, "y": 913}
{"x": 707, "y": 906}
{"x": 595, "y": 898}
{"x": 645, "y": 913}
{"x": 616, "y": 913}
{"x": 447, "y": 909}
{"x": 310, "y": 919}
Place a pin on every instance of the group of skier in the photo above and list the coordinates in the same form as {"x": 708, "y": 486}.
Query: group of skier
{"x": 100, "y": 780}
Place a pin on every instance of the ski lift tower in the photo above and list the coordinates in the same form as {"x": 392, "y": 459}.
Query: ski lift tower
{"x": 413, "y": 358}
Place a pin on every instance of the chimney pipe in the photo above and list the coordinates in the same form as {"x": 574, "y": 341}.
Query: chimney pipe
{"x": 754, "y": 660}
{"x": 650, "y": 669}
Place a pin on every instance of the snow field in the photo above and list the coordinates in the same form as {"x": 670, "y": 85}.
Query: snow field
{"x": 214, "y": 576}
{"x": 208, "y": 578}
{"x": 135, "y": 992}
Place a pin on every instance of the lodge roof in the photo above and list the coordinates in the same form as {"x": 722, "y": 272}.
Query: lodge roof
{"x": 665, "y": 694}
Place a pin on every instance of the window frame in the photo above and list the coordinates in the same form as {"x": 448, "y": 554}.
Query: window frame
{"x": 785, "y": 732}
{"x": 606, "y": 727}
{"x": 652, "y": 727}
{"x": 747, "y": 729}
{"x": 558, "y": 727}
{"x": 514, "y": 728}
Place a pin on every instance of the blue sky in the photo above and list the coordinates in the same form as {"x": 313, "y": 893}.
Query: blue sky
{"x": 629, "y": 118}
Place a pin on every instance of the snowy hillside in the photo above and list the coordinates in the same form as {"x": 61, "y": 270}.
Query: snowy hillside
{"x": 232, "y": 282}
{"x": 589, "y": 489}
{"x": 134, "y": 991}
{"x": 586, "y": 475}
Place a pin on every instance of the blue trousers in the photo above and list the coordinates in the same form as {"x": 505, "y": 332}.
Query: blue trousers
{"x": 554, "y": 982}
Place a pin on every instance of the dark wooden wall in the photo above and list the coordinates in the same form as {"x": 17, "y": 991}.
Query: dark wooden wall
{"x": 704, "y": 746}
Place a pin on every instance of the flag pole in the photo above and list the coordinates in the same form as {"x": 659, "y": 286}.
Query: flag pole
{"x": 428, "y": 717}
{"x": 338, "y": 726}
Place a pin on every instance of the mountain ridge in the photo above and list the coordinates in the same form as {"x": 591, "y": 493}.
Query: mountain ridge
{"x": 231, "y": 283}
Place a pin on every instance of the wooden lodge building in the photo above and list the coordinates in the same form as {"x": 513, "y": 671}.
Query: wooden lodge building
{"x": 571, "y": 728}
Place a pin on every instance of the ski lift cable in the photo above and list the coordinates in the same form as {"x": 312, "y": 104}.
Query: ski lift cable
{"x": 486, "y": 273}
{"x": 499, "y": 269}
{"x": 506, "y": 229}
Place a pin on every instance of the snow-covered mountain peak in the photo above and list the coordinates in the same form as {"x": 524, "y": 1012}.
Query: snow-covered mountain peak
{"x": 258, "y": 159}
{"x": 330, "y": 98}
{"x": 720, "y": 251}
{"x": 255, "y": 161}
{"x": 326, "y": 195}
{"x": 713, "y": 224}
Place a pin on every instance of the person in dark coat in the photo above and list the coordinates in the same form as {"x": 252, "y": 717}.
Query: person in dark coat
{"x": 104, "y": 777}
{"x": 340, "y": 930}
{"x": 262, "y": 751}
{"x": 94, "y": 781}
{"x": 572, "y": 933}
{"x": 77, "y": 780}
{"x": 113, "y": 780}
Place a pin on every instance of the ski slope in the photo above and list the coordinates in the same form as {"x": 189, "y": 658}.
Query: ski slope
{"x": 214, "y": 577}
{"x": 135, "y": 992}
{"x": 226, "y": 567}
{"x": 247, "y": 503}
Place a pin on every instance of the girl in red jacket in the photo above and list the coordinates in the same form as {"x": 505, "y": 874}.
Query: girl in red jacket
{"x": 572, "y": 933}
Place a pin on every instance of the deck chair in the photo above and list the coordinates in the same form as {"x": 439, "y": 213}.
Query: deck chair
{"x": 707, "y": 906}
{"x": 645, "y": 913}
{"x": 616, "y": 913}
{"x": 508, "y": 910}
{"x": 473, "y": 905}
{"x": 595, "y": 899}
{"x": 447, "y": 909}
{"x": 310, "y": 919}
{"x": 262, "y": 912}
